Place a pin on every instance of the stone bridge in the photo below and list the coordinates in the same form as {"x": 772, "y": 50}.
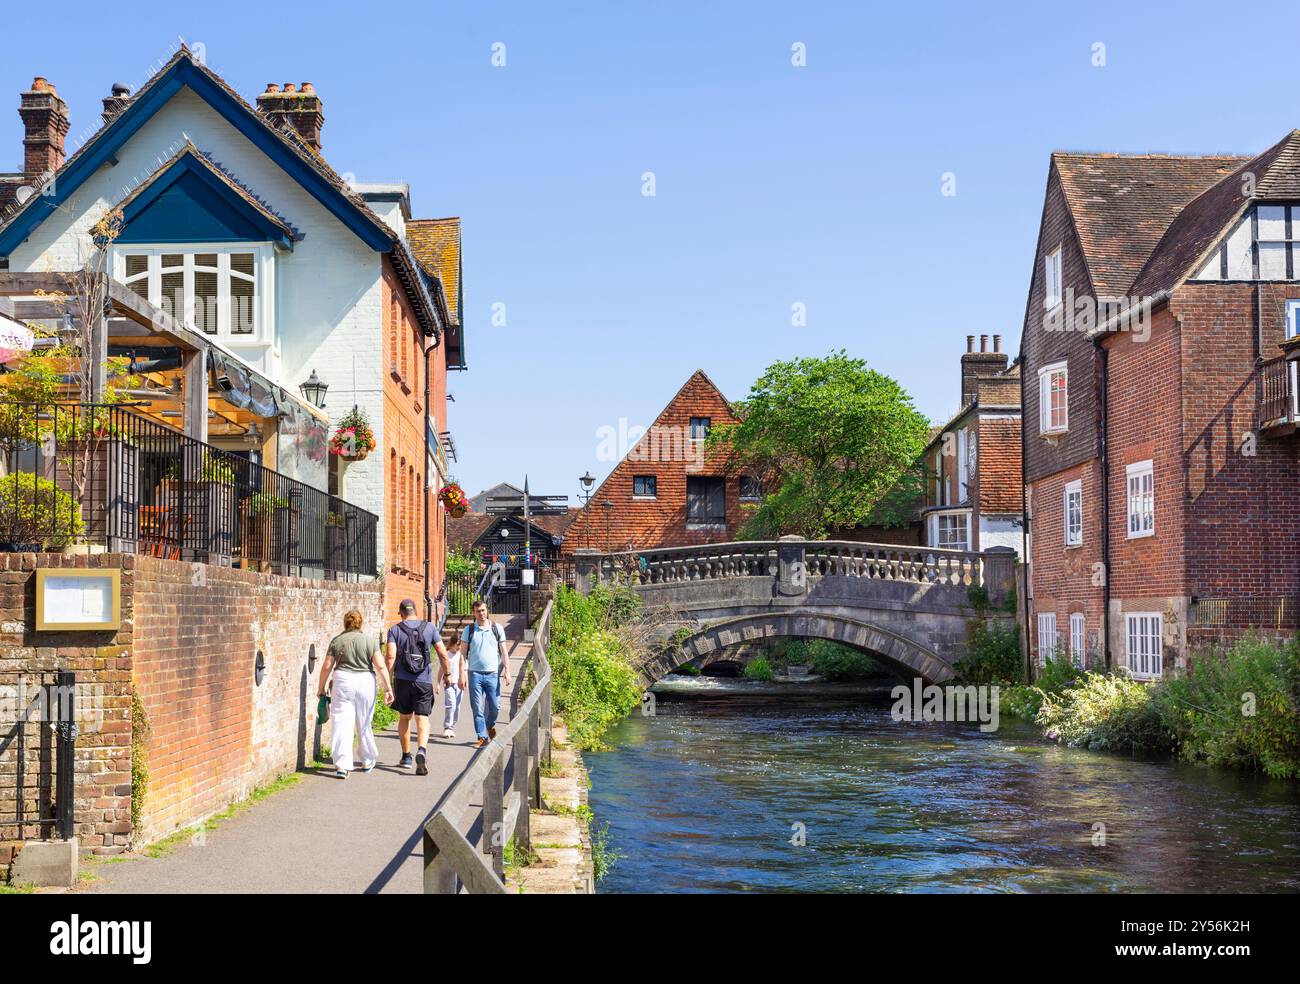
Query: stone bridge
{"x": 911, "y": 607}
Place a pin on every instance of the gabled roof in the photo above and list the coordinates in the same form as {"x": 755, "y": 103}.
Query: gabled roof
{"x": 1200, "y": 225}
{"x": 1122, "y": 204}
{"x": 466, "y": 531}
{"x": 283, "y": 146}
{"x": 189, "y": 163}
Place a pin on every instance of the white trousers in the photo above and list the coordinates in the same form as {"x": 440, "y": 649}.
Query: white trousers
{"x": 352, "y": 708}
{"x": 450, "y": 707}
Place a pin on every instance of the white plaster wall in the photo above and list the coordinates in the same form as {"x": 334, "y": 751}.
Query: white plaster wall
{"x": 997, "y": 531}
{"x": 328, "y": 289}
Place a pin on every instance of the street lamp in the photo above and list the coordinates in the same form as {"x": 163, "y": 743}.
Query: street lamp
{"x": 313, "y": 390}
{"x": 587, "y": 482}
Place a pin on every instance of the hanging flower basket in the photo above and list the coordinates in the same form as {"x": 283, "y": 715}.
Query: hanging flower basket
{"x": 454, "y": 500}
{"x": 353, "y": 439}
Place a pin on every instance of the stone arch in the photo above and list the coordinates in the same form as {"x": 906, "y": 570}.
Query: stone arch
{"x": 904, "y": 655}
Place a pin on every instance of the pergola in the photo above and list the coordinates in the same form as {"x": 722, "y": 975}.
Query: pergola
{"x": 171, "y": 360}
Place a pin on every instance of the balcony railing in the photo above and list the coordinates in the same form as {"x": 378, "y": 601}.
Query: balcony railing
{"x": 1277, "y": 395}
{"x": 105, "y": 477}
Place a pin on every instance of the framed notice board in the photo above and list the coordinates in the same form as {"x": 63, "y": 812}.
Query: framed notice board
{"x": 69, "y": 600}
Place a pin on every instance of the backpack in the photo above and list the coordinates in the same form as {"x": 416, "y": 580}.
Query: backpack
{"x": 415, "y": 658}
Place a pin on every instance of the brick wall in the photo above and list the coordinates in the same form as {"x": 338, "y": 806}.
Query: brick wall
{"x": 189, "y": 645}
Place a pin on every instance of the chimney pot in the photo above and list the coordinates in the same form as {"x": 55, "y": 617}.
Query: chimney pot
{"x": 272, "y": 87}
{"x": 997, "y": 343}
{"x": 307, "y": 87}
{"x": 41, "y": 84}
{"x": 984, "y": 343}
{"x": 970, "y": 343}
{"x": 290, "y": 87}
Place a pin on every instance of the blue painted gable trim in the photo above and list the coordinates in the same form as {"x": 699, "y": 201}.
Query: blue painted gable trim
{"x": 185, "y": 73}
{"x": 187, "y": 203}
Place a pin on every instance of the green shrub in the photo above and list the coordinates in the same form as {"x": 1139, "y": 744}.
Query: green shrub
{"x": 1105, "y": 713}
{"x": 758, "y": 668}
{"x": 1239, "y": 708}
{"x": 1019, "y": 700}
{"x": 464, "y": 562}
{"x": 992, "y": 655}
{"x": 594, "y": 683}
{"x": 689, "y": 669}
{"x": 836, "y": 662}
{"x": 35, "y": 510}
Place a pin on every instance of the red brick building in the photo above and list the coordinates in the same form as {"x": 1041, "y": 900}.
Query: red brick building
{"x": 973, "y": 497}
{"x": 667, "y": 491}
{"x": 1158, "y": 447}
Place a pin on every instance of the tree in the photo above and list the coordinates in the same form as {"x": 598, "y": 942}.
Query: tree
{"x": 834, "y": 443}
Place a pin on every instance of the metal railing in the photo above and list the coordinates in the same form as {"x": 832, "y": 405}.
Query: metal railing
{"x": 84, "y": 473}
{"x": 37, "y": 755}
{"x": 452, "y": 862}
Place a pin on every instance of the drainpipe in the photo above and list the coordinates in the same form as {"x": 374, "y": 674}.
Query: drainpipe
{"x": 1024, "y": 526}
{"x": 1105, "y": 505}
{"x": 428, "y": 454}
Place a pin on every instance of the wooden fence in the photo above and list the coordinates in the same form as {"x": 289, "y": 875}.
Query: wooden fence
{"x": 452, "y": 862}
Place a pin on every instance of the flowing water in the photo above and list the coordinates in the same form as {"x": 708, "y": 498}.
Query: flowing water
{"x": 729, "y": 789}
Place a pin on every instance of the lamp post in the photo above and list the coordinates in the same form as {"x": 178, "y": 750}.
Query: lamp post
{"x": 313, "y": 390}
{"x": 587, "y": 482}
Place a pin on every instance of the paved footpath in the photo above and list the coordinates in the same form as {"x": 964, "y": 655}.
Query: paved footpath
{"x": 359, "y": 835}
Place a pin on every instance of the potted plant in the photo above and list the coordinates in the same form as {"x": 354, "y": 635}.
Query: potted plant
{"x": 263, "y": 532}
{"x": 353, "y": 439}
{"x": 454, "y": 499}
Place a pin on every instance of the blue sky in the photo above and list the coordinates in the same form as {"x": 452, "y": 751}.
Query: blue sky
{"x": 774, "y": 184}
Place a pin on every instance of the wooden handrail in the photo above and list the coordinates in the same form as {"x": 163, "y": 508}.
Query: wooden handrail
{"x": 451, "y": 861}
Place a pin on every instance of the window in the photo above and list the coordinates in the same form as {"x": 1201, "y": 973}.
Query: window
{"x": 643, "y": 486}
{"x": 963, "y": 475}
{"x": 1078, "y": 639}
{"x": 1073, "y": 514}
{"x": 951, "y": 531}
{"x": 1142, "y": 653}
{"x": 1053, "y": 399}
{"x": 1052, "y": 279}
{"x": 700, "y": 427}
{"x": 1264, "y": 245}
{"x": 751, "y": 490}
{"x": 1047, "y": 642}
{"x": 1292, "y": 319}
{"x": 216, "y": 290}
{"x": 706, "y": 503}
{"x": 1141, "y": 500}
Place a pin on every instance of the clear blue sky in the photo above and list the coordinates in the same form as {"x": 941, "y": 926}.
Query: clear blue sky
{"x": 774, "y": 184}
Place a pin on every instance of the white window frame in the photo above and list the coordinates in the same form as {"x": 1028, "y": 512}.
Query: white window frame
{"x": 1141, "y": 501}
{"x": 1073, "y": 532}
{"x": 1053, "y": 291}
{"x": 1078, "y": 639}
{"x": 955, "y": 519}
{"x": 1045, "y": 376}
{"x": 263, "y": 333}
{"x": 1144, "y": 645}
{"x": 963, "y": 474}
{"x": 1292, "y": 318}
{"x": 1047, "y": 628}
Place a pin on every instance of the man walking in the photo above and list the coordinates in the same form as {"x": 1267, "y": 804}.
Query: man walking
{"x": 489, "y": 670}
{"x": 412, "y": 643}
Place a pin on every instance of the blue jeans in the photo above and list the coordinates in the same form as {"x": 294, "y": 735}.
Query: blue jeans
{"x": 485, "y": 700}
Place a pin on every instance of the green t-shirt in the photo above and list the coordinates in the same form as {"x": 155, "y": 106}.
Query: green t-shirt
{"x": 354, "y": 651}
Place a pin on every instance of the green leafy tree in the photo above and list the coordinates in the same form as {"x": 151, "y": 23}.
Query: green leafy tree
{"x": 836, "y": 445}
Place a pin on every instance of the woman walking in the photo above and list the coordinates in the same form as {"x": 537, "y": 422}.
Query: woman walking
{"x": 355, "y": 659}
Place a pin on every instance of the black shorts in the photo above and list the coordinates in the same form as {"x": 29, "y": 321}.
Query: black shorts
{"x": 412, "y": 697}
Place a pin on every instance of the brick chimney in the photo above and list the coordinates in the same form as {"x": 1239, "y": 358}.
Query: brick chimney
{"x": 294, "y": 108}
{"x": 980, "y": 365}
{"x": 118, "y": 101}
{"x": 45, "y": 125}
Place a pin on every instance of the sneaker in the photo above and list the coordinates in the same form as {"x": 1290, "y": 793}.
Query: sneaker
{"x": 340, "y": 773}
{"x": 420, "y": 768}
{"x": 448, "y": 733}
{"x": 367, "y": 766}
{"x": 406, "y": 762}
{"x": 492, "y": 732}
{"x": 480, "y": 743}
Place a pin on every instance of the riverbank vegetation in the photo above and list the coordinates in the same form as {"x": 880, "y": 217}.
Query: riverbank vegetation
{"x": 824, "y": 658}
{"x": 594, "y": 644}
{"x": 1237, "y": 707}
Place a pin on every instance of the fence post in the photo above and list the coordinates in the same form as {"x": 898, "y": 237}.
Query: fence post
{"x": 494, "y": 834}
{"x": 63, "y": 798}
{"x": 519, "y": 785}
{"x": 535, "y": 759}
{"x": 439, "y": 875}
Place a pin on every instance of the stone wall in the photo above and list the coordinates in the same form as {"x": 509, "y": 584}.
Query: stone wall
{"x": 189, "y": 645}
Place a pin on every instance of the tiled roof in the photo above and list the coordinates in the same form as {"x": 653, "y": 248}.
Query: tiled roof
{"x": 464, "y": 531}
{"x": 998, "y": 474}
{"x": 1123, "y": 203}
{"x": 436, "y": 245}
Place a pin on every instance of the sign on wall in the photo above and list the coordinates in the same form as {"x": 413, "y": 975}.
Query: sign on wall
{"x": 72, "y": 600}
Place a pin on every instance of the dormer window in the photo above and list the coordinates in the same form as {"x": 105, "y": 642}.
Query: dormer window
{"x": 221, "y": 291}
{"x": 1264, "y": 245}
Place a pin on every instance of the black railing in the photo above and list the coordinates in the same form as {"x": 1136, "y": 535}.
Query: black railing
{"x": 80, "y": 473}
{"x": 37, "y": 753}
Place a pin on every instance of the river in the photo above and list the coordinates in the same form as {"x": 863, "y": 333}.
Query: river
{"x": 727, "y": 789}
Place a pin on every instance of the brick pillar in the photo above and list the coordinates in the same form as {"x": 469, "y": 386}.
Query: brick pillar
{"x": 45, "y": 126}
{"x": 587, "y": 564}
